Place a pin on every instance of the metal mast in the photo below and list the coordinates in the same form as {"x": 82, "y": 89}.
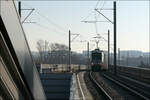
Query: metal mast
{"x": 108, "y": 48}
{"x": 19, "y": 8}
{"x": 69, "y": 50}
{"x": 115, "y": 40}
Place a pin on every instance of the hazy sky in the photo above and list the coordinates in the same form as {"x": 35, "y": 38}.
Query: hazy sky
{"x": 54, "y": 19}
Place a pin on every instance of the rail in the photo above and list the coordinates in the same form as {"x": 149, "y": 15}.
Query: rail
{"x": 125, "y": 86}
{"x": 83, "y": 96}
{"x": 100, "y": 88}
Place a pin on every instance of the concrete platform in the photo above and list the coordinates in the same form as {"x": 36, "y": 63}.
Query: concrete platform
{"x": 83, "y": 93}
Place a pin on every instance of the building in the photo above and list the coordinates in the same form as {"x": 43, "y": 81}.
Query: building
{"x": 19, "y": 78}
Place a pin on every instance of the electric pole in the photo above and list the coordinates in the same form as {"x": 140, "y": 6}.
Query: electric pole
{"x": 97, "y": 43}
{"x": 115, "y": 39}
{"x": 127, "y": 57}
{"x": 108, "y": 49}
{"x": 115, "y": 33}
{"x": 119, "y": 56}
{"x": 69, "y": 50}
{"x": 88, "y": 55}
{"x": 19, "y": 8}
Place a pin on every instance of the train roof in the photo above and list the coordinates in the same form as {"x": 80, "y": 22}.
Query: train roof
{"x": 96, "y": 51}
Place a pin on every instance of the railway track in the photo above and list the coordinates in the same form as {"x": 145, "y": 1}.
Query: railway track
{"x": 99, "y": 88}
{"x": 129, "y": 92}
{"x": 142, "y": 91}
{"x": 140, "y": 74}
{"x": 82, "y": 93}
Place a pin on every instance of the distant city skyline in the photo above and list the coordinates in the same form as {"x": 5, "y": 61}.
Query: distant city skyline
{"x": 131, "y": 53}
{"x": 55, "y": 18}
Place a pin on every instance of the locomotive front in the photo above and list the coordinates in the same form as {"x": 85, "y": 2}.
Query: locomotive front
{"x": 97, "y": 60}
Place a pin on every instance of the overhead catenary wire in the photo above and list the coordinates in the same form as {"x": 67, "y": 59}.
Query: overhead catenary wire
{"x": 47, "y": 28}
{"x": 56, "y": 25}
{"x": 51, "y": 22}
{"x": 88, "y": 16}
{"x": 97, "y": 3}
{"x": 91, "y": 11}
{"x": 96, "y": 29}
{"x": 95, "y": 23}
{"x": 102, "y": 6}
{"x": 48, "y": 20}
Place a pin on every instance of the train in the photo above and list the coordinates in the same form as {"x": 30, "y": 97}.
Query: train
{"x": 98, "y": 61}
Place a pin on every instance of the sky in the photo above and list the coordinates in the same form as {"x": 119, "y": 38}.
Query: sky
{"x": 55, "y": 18}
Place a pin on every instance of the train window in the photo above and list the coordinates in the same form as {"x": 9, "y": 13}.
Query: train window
{"x": 96, "y": 56}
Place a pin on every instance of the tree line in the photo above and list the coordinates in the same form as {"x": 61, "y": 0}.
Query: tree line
{"x": 55, "y": 53}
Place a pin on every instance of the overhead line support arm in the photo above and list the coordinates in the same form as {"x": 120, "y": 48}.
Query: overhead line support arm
{"x": 104, "y": 16}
